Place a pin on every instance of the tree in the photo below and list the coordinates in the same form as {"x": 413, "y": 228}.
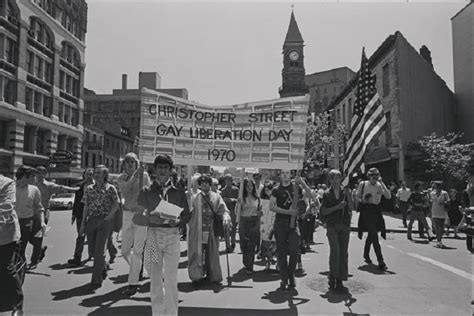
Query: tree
{"x": 441, "y": 158}
{"x": 319, "y": 138}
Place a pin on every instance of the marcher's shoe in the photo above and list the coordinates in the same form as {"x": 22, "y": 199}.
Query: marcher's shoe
{"x": 422, "y": 236}
{"x": 340, "y": 287}
{"x": 431, "y": 238}
{"x": 409, "y": 238}
{"x": 93, "y": 286}
{"x": 292, "y": 284}
{"x": 332, "y": 283}
{"x": 89, "y": 259}
{"x": 42, "y": 253}
{"x": 382, "y": 266}
{"x": 131, "y": 290}
{"x": 283, "y": 286}
{"x": 112, "y": 259}
{"x": 32, "y": 266}
{"x": 367, "y": 260}
{"x": 259, "y": 256}
{"x": 299, "y": 267}
{"x": 75, "y": 262}
{"x": 248, "y": 271}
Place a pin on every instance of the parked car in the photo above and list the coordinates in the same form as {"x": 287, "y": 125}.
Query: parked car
{"x": 61, "y": 201}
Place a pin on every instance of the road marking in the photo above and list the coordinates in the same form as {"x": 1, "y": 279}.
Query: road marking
{"x": 444, "y": 266}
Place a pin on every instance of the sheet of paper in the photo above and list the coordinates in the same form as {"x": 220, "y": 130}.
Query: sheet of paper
{"x": 167, "y": 210}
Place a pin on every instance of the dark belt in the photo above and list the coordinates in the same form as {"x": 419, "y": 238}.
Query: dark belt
{"x": 163, "y": 226}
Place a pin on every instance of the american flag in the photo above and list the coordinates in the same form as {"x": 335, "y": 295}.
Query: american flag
{"x": 368, "y": 119}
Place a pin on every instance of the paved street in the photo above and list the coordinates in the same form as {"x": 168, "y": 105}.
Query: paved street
{"x": 421, "y": 279}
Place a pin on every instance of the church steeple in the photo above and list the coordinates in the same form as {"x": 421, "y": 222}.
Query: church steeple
{"x": 293, "y": 35}
{"x": 293, "y": 62}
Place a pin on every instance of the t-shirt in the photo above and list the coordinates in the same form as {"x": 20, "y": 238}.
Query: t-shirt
{"x": 284, "y": 199}
{"x": 28, "y": 201}
{"x": 403, "y": 194}
{"x": 438, "y": 206}
{"x": 417, "y": 198}
{"x": 232, "y": 193}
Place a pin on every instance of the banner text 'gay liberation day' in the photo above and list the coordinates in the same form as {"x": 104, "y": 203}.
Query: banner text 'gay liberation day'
{"x": 263, "y": 134}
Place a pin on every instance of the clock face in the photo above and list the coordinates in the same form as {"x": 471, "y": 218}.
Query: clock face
{"x": 294, "y": 55}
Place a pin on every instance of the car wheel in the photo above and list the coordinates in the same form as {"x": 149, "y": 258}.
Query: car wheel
{"x": 69, "y": 206}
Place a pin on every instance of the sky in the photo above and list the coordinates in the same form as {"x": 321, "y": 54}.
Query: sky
{"x": 230, "y": 52}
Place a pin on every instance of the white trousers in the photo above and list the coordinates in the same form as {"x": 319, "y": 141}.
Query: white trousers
{"x": 164, "y": 270}
{"x": 133, "y": 242}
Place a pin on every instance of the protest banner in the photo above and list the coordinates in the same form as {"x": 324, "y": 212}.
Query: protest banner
{"x": 263, "y": 134}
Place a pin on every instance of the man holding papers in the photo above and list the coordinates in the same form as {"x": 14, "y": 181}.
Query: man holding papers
{"x": 167, "y": 210}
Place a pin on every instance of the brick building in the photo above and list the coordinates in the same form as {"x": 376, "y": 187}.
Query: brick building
{"x": 325, "y": 86}
{"x": 123, "y": 105}
{"x": 463, "y": 52}
{"x": 42, "y": 45}
{"x": 416, "y": 101}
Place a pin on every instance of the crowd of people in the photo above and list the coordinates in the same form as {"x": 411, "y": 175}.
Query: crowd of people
{"x": 275, "y": 222}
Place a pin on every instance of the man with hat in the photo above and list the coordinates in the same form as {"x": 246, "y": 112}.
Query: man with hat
{"x": 369, "y": 195}
{"x": 47, "y": 189}
{"x": 230, "y": 194}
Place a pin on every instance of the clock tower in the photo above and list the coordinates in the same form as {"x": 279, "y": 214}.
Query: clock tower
{"x": 293, "y": 62}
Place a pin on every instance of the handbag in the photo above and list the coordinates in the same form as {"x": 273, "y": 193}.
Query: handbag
{"x": 217, "y": 220}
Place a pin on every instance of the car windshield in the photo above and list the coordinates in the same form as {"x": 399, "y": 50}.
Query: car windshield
{"x": 64, "y": 195}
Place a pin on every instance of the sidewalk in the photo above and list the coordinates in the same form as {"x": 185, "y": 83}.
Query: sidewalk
{"x": 393, "y": 223}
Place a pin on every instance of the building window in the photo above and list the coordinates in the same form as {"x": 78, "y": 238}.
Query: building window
{"x": 38, "y": 99}
{"x": 27, "y": 139}
{"x": 93, "y": 160}
{"x": 40, "y": 33}
{"x": 106, "y": 143}
{"x": 94, "y": 138}
{"x": 86, "y": 136}
{"x": 38, "y": 67}
{"x": 10, "y": 50}
{"x": 47, "y": 106}
{"x": 86, "y": 159}
{"x": 9, "y": 91}
{"x": 40, "y": 141}
{"x": 61, "y": 111}
{"x": 66, "y": 114}
{"x": 386, "y": 80}
{"x": 344, "y": 114}
{"x": 388, "y": 129}
{"x": 74, "y": 116}
{"x": 48, "y": 72}
{"x": 4, "y": 131}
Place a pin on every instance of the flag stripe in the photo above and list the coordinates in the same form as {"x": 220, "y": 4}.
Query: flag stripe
{"x": 359, "y": 130}
{"x": 371, "y": 129}
{"x": 356, "y": 121}
{"x": 367, "y": 121}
